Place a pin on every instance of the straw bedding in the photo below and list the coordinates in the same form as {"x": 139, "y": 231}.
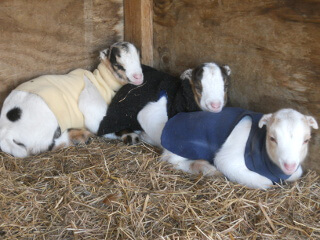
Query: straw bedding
{"x": 107, "y": 190}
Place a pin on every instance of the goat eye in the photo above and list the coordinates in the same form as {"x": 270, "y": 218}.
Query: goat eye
{"x": 306, "y": 141}
{"x": 272, "y": 139}
{"x": 119, "y": 67}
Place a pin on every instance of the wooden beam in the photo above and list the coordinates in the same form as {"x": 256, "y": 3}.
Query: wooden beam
{"x": 138, "y": 27}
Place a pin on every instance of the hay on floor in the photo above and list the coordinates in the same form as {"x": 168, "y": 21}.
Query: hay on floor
{"x": 107, "y": 190}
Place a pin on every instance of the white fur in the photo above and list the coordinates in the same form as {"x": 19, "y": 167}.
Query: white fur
{"x": 131, "y": 62}
{"x": 185, "y": 165}
{"x": 35, "y": 129}
{"x": 230, "y": 158}
{"x": 37, "y": 125}
{"x": 290, "y": 128}
{"x": 152, "y": 118}
{"x": 212, "y": 96}
{"x": 92, "y": 106}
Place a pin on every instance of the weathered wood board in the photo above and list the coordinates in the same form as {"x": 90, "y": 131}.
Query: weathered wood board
{"x": 272, "y": 47}
{"x": 54, "y": 37}
{"x": 138, "y": 27}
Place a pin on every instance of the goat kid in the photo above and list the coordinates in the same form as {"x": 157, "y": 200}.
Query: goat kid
{"x": 52, "y": 111}
{"x": 249, "y": 148}
{"x": 209, "y": 84}
{"x": 203, "y": 88}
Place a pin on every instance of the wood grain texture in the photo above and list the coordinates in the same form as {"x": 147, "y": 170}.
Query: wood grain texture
{"x": 272, "y": 47}
{"x": 54, "y": 37}
{"x": 139, "y": 27}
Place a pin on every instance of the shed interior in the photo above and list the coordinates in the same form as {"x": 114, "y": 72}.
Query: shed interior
{"x": 272, "y": 48}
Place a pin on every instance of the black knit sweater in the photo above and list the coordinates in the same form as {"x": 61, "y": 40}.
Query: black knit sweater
{"x": 130, "y": 99}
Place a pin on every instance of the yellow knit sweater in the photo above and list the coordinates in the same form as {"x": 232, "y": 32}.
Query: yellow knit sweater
{"x": 61, "y": 92}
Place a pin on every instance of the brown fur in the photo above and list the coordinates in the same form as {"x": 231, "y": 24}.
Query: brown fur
{"x": 196, "y": 92}
{"x": 79, "y": 136}
{"x": 202, "y": 166}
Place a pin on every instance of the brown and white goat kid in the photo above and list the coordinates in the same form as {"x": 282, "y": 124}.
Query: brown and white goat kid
{"x": 52, "y": 111}
{"x": 203, "y": 88}
{"x": 236, "y": 143}
{"x": 209, "y": 83}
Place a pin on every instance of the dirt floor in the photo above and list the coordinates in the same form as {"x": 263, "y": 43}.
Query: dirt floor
{"x": 107, "y": 190}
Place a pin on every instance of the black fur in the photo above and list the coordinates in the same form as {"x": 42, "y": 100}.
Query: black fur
{"x": 114, "y": 53}
{"x": 129, "y": 100}
{"x": 56, "y": 134}
{"x": 19, "y": 143}
{"x": 14, "y": 114}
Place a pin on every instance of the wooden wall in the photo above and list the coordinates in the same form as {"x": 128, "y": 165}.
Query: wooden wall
{"x": 54, "y": 36}
{"x": 272, "y": 47}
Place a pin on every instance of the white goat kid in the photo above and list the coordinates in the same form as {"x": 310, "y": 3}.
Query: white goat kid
{"x": 30, "y": 123}
{"x": 209, "y": 84}
{"x": 251, "y": 154}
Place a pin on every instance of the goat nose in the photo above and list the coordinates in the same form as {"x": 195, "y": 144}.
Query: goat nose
{"x": 137, "y": 76}
{"x": 215, "y": 105}
{"x": 290, "y": 167}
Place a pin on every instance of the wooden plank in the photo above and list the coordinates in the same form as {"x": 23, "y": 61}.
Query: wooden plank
{"x": 139, "y": 27}
{"x": 54, "y": 37}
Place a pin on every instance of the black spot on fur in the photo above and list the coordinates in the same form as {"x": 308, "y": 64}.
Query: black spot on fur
{"x": 119, "y": 67}
{"x": 19, "y": 143}
{"x": 197, "y": 75}
{"x": 226, "y": 80}
{"x": 124, "y": 46}
{"x": 56, "y": 134}
{"x": 128, "y": 140}
{"x": 51, "y": 146}
{"x": 14, "y": 114}
{"x": 114, "y": 53}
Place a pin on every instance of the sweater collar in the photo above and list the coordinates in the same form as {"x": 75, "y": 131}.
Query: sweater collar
{"x": 109, "y": 78}
{"x": 257, "y": 158}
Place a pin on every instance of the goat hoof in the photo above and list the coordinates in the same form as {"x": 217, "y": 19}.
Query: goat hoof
{"x": 130, "y": 138}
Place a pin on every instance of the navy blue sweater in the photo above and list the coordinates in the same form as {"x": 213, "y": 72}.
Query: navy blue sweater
{"x": 199, "y": 135}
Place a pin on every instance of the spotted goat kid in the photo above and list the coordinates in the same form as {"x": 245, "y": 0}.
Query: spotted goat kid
{"x": 54, "y": 111}
{"x": 133, "y": 107}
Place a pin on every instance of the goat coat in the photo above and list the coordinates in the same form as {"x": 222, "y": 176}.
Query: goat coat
{"x": 61, "y": 92}
{"x": 200, "y": 135}
{"x": 129, "y": 100}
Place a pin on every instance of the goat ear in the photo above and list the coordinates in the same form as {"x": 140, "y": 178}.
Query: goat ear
{"x": 312, "y": 122}
{"x": 265, "y": 119}
{"x": 226, "y": 69}
{"x": 104, "y": 54}
{"x": 186, "y": 75}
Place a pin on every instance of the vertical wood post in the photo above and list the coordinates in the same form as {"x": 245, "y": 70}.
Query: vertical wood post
{"x": 138, "y": 27}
